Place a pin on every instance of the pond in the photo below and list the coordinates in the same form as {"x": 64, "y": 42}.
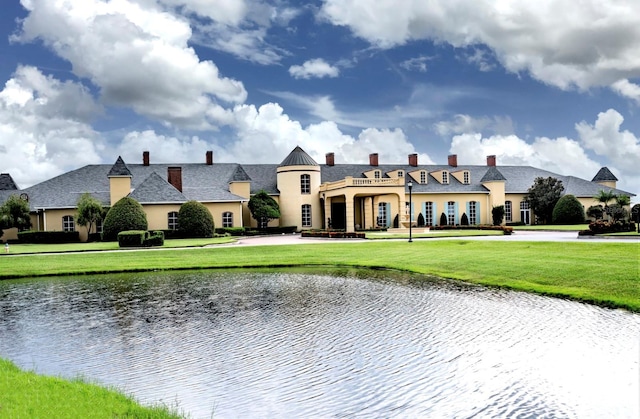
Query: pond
{"x": 330, "y": 343}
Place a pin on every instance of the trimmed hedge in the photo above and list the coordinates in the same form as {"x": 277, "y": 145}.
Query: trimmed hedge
{"x": 127, "y": 214}
{"x": 568, "y": 210}
{"x": 231, "y": 231}
{"x": 505, "y": 229}
{"x": 604, "y": 227}
{"x": 195, "y": 220}
{"x": 140, "y": 238}
{"x": 333, "y": 234}
{"x": 48, "y": 237}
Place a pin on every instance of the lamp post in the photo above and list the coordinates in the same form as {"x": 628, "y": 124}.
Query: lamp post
{"x": 410, "y": 185}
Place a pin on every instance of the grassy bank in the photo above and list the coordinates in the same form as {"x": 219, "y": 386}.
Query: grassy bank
{"x": 25, "y": 394}
{"x": 602, "y": 273}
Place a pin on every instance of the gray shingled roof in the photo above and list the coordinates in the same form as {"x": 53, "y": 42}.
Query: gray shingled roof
{"x": 298, "y": 157}
{"x": 154, "y": 189}
{"x": 119, "y": 168}
{"x": 7, "y": 183}
{"x": 604, "y": 174}
{"x": 263, "y": 178}
{"x": 492, "y": 175}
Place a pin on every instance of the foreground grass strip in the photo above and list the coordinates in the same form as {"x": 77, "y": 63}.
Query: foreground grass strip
{"x": 25, "y": 394}
{"x": 603, "y": 273}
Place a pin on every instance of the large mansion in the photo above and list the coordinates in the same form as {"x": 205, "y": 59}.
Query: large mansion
{"x": 310, "y": 195}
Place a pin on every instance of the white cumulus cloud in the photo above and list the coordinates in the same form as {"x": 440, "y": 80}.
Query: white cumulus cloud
{"x": 316, "y": 68}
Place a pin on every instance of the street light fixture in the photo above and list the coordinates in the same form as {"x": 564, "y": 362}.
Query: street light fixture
{"x": 410, "y": 185}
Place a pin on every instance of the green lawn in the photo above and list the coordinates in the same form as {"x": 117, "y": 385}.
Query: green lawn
{"x": 551, "y": 227}
{"x": 98, "y": 246}
{"x": 602, "y": 273}
{"x": 24, "y": 394}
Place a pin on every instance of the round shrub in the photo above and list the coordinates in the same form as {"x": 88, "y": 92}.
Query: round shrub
{"x": 195, "y": 220}
{"x": 568, "y": 210}
{"x": 126, "y": 214}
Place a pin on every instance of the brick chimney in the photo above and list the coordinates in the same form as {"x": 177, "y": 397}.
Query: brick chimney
{"x": 413, "y": 160}
{"x": 453, "y": 160}
{"x": 491, "y": 160}
{"x": 174, "y": 175}
{"x": 331, "y": 159}
{"x": 145, "y": 158}
{"x": 209, "y": 158}
{"x": 373, "y": 159}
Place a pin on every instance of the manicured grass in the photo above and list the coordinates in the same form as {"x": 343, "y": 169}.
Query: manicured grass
{"x": 419, "y": 234}
{"x": 25, "y": 394}
{"x": 98, "y": 246}
{"x": 603, "y": 273}
{"x": 552, "y": 227}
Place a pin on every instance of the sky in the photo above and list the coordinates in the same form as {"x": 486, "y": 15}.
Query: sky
{"x": 553, "y": 84}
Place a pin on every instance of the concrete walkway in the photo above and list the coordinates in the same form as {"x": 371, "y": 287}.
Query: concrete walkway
{"x": 537, "y": 236}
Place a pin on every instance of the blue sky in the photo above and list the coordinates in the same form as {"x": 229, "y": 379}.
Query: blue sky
{"x": 545, "y": 84}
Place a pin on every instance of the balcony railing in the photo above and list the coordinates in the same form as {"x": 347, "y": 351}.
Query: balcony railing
{"x": 361, "y": 182}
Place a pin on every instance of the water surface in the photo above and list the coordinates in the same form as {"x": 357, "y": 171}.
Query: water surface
{"x": 326, "y": 344}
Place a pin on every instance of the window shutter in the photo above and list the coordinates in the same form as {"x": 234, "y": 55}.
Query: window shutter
{"x": 435, "y": 214}
{"x": 389, "y": 220}
{"x": 456, "y": 216}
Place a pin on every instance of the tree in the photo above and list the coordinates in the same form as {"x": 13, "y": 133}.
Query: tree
{"x": 497, "y": 214}
{"x": 568, "y": 210}
{"x": 604, "y": 197}
{"x": 635, "y": 213}
{"x": 595, "y": 212}
{"x": 263, "y": 208}
{"x": 443, "y": 219}
{"x": 90, "y": 211}
{"x": 126, "y": 214}
{"x": 542, "y": 197}
{"x": 15, "y": 213}
{"x": 617, "y": 210}
{"x": 195, "y": 220}
{"x": 421, "y": 222}
{"x": 464, "y": 220}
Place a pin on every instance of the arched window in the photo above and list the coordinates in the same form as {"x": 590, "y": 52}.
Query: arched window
{"x": 305, "y": 184}
{"x": 172, "y": 220}
{"x": 227, "y": 219}
{"x": 306, "y": 215}
{"x": 68, "y": 224}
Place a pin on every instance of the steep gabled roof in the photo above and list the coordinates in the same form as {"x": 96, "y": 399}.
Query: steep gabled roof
{"x": 603, "y": 175}
{"x": 492, "y": 175}
{"x": 7, "y": 183}
{"x": 298, "y": 157}
{"x": 240, "y": 175}
{"x": 154, "y": 189}
{"x": 119, "y": 169}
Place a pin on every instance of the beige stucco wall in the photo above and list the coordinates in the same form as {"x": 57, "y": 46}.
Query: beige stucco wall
{"x": 119, "y": 187}
{"x": 291, "y": 199}
{"x": 441, "y": 202}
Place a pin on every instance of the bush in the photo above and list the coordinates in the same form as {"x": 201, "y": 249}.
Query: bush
{"x": 464, "y": 220}
{"x": 48, "y": 237}
{"x": 154, "y": 238}
{"x": 497, "y": 214}
{"x": 195, "y": 220}
{"x": 127, "y": 214}
{"x": 421, "y": 222}
{"x": 602, "y": 227}
{"x": 568, "y": 210}
{"x": 232, "y": 231}
{"x": 133, "y": 238}
{"x": 595, "y": 211}
{"x": 443, "y": 219}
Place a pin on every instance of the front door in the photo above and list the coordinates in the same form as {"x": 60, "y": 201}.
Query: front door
{"x": 338, "y": 216}
{"x": 525, "y": 214}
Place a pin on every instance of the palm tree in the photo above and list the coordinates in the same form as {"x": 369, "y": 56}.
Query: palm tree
{"x": 622, "y": 200}
{"x": 604, "y": 197}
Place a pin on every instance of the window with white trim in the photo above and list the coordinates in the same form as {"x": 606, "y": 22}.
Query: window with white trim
{"x": 305, "y": 184}
{"x": 451, "y": 213}
{"x": 423, "y": 177}
{"x": 400, "y": 173}
{"x": 306, "y": 215}
{"x": 382, "y": 214}
{"x": 507, "y": 211}
{"x": 428, "y": 213}
{"x": 465, "y": 177}
{"x": 68, "y": 224}
{"x": 472, "y": 213}
{"x": 227, "y": 219}
{"x": 445, "y": 177}
{"x": 172, "y": 220}
{"x": 376, "y": 174}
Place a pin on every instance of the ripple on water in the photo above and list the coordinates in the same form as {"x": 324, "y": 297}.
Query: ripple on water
{"x": 301, "y": 345}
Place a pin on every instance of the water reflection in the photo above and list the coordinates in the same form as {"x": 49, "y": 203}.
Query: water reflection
{"x": 340, "y": 344}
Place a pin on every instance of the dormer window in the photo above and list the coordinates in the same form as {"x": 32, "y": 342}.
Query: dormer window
{"x": 465, "y": 176}
{"x": 445, "y": 177}
{"x": 423, "y": 177}
{"x": 400, "y": 173}
{"x": 376, "y": 174}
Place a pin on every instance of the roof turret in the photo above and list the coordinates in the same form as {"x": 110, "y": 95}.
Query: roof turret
{"x": 492, "y": 175}
{"x": 604, "y": 175}
{"x": 298, "y": 157}
{"x": 119, "y": 169}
